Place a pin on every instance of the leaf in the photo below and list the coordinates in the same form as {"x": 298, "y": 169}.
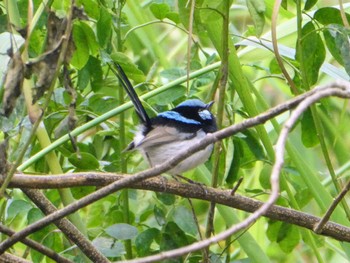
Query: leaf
{"x": 288, "y": 237}
{"x": 82, "y": 52}
{"x": 265, "y": 175}
{"x": 232, "y": 175}
{"x": 16, "y": 207}
{"x": 144, "y": 240}
{"x": 257, "y": 9}
{"x": 122, "y": 231}
{"x": 128, "y": 66}
{"x": 272, "y": 229}
{"x": 91, "y": 8}
{"x": 100, "y": 105}
{"x": 308, "y": 130}
{"x": 168, "y": 96}
{"x": 167, "y": 199}
{"x": 159, "y": 215}
{"x": 329, "y": 15}
{"x": 337, "y": 41}
{"x": 173, "y": 73}
{"x": 104, "y": 27}
{"x": 108, "y": 247}
{"x": 173, "y": 17}
{"x": 309, "y": 4}
{"x": 160, "y": 10}
{"x": 312, "y": 53}
{"x": 90, "y": 37}
{"x": 184, "y": 219}
{"x": 172, "y": 237}
{"x": 250, "y": 148}
{"x": 80, "y": 192}
{"x": 84, "y": 161}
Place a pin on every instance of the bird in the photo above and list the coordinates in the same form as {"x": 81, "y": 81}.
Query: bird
{"x": 162, "y": 137}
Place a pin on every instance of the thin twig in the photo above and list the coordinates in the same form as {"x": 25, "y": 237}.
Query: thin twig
{"x": 279, "y": 60}
{"x": 320, "y": 225}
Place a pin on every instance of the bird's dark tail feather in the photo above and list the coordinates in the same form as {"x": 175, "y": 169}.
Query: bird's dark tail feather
{"x": 125, "y": 82}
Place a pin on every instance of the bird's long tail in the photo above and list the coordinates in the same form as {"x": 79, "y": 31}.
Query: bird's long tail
{"x": 125, "y": 82}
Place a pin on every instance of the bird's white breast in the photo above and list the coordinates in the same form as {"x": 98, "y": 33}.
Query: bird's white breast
{"x": 160, "y": 153}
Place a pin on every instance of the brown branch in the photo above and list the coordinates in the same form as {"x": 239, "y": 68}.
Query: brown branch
{"x": 37, "y": 246}
{"x": 219, "y": 196}
{"x": 65, "y": 226}
{"x": 9, "y": 258}
{"x": 338, "y": 89}
{"x": 318, "y": 228}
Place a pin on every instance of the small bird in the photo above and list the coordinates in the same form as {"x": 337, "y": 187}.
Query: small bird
{"x": 162, "y": 137}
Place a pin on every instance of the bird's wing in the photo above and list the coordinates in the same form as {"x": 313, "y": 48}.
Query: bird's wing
{"x": 163, "y": 135}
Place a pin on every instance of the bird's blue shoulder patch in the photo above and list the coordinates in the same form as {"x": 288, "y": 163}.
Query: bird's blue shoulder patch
{"x": 192, "y": 103}
{"x": 173, "y": 115}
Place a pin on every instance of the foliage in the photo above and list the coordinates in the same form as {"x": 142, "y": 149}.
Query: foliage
{"x": 149, "y": 39}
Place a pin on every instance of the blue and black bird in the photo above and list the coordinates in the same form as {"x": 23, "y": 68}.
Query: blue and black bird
{"x": 161, "y": 138}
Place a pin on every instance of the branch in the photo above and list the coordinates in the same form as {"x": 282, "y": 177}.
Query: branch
{"x": 9, "y": 258}
{"x": 223, "y": 197}
{"x": 37, "y": 246}
{"x": 66, "y": 226}
{"x": 339, "y": 89}
{"x": 318, "y": 228}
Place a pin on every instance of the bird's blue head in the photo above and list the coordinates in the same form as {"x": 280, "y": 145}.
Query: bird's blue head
{"x": 193, "y": 114}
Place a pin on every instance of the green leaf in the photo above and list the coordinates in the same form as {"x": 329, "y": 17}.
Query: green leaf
{"x": 173, "y": 73}
{"x": 309, "y": 4}
{"x": 167, "y": 199}
{"x": 144, "y": 240}
{"x": 79, "y": 192}
{"x": 160, "y": 10}
{"x": 233, "y": 173}
{"x": 250, "y": 148}
{"x": 91, "y": 8}
{"x": 257, "y": 12}
{"x": 84, "y": 161}
{"x": 81, "y": 53}
{"x": 122, "y": 231}
{"x": 108, "y": 247}
{"x": 100, "y": 105}
{"x": 128, "y": 66}
{"x": 329, "y": 15}
{"x": 172, "y": 237}
{"x": 184, "y": 219}
{"x": 337, "y": 41}
{"x": 90, "y": 38}
{"x": 308, "y": 130}
{"x": 173, "y": 17}
{"x": 159, "y": 215}
{"x": 272, "y": 230}
{"x": 168, "y": 96}
{"x": 312, "y": 53}
{"x": 16, "y": 207}
{"x": 104, "y": 27}
{"x": 288, "y": 237}
{"x": 265, "y": 176}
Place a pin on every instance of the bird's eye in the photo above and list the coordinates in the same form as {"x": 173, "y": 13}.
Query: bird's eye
{"x": 205, "y": 115}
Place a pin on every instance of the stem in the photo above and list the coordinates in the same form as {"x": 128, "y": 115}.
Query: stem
{"x": 123, "y": 164}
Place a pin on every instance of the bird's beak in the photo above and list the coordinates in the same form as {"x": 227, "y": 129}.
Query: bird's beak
{"x": 209, "y": 105}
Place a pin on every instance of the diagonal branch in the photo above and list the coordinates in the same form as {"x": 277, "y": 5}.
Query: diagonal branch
{"x": 37, "y": 246}
{"x": 66, "y": 226}
{"x": 338, "y": 89}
